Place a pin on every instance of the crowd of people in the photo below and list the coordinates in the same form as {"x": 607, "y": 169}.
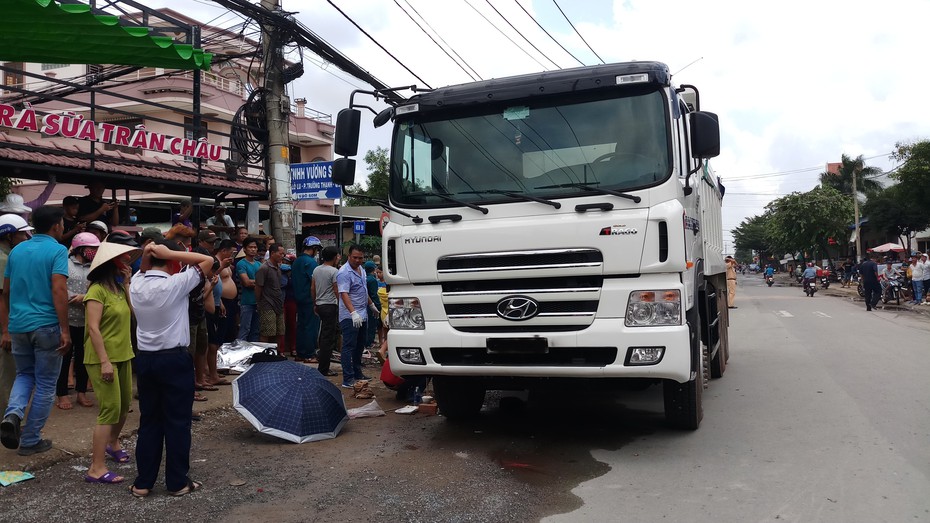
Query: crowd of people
{"x": 93, "y": 307}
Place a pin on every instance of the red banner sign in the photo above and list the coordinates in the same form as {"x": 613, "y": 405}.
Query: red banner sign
{"x": 71, "y": 125}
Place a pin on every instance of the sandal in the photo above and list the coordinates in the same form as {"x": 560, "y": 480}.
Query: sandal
{"x": 220, "y": 381}
{"x": 198, "y": 397}
{"x": 119, "y": 456}
{"x": 64, "y": 403}
{"x": 108, "y": 477}
{"x": 192, "y": 486}
{"x": 209, "y": 388}
{"x": 139, "y": 492}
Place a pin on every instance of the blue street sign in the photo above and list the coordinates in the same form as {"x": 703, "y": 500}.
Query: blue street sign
{"x": 314, "y": 181}
{"x": 359, "y": 227}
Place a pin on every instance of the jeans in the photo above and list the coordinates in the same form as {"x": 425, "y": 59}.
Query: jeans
{"x": 308, "y": 330}
{"x": 248, "y": 323}
{"x": 329, "y": 334}
{"x": 918, "y": 291}
{"x": 353, "y": 343}
{"x": 38, "y": 364}
{"x": 165, "y": 381}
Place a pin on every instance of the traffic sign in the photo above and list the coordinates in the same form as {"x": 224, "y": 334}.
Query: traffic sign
{"x": 359, "y": 227}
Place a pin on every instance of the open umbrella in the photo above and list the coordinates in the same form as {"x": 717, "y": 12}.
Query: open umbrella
{"x": 887, "y": 247}
{"x": 289, "y": 400}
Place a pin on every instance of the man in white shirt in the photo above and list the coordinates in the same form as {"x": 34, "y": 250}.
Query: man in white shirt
{"x": 925, "y": 262}
{"x": 221, "y": 223}
{"x": 164, "y": 367}
{"x": 917, "y": 277}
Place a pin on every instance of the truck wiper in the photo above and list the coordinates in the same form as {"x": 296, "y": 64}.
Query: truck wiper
{"x": 518, "y": 196}
{"x": 384, "y": 205}
{"x": 448, "y": 198}
{"x": 592, "y": 187}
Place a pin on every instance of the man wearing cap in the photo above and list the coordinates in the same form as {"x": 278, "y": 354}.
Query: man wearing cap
{"x": 220, "y": 222}
{"x": 308, "y": 324}
{"x": 164, "y": 367}
{"x": 13, "y": 231}
{"x": 92, "y": 207}
{"x": 34, "y": 314}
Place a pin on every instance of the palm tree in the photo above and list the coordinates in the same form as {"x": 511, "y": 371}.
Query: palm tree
{"x": 843, "y": 182}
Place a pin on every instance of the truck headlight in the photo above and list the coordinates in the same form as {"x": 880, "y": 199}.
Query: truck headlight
{"x": 653, "y": 308}
{"x": 405, "y": 313}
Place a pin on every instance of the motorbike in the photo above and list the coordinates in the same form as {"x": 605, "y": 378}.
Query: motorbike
{"x": 810, "y": 287}
{"x": 893, "y": 290}
{"x": 769, "y": 280}
{"x": 824, "y": 282}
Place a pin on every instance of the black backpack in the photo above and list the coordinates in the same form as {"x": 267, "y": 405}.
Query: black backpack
{"x": 267, "y": 356}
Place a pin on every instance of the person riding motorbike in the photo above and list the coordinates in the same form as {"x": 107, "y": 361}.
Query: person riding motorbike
{"x": 809, "y": 275}
{"x": 769, "y": 271}
{"x": 886, "y": 274}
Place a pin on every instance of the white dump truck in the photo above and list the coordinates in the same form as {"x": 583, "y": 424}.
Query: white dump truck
{"x": 553, "y": 227}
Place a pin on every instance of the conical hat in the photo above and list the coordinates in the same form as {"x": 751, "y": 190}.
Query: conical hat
{"x": 109, "y": 251}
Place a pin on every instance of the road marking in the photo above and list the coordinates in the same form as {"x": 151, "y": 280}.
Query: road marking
{"x": 822, "y": 314}
{"x": 784, "y": 314}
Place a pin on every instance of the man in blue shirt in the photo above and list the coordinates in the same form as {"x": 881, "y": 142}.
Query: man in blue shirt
{"x": 354, "y": 303}
{"x": 246, "y": 268}
{"x": 34, "y": 314}
{"x": 308, "y": 323}
{"x": 769, "y": 271}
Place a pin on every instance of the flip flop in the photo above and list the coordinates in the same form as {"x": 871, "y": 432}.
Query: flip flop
{"x": 120, "y": 456}
{"x": 139, "y": 492}
{"x": 198, "y": 397}
{"x": 109, "y": 478}
{"x": 221, "y": 382}
{"x": 209, "y": 388}
{"x": 68, "y": 406}
{"x": 192, "y": 486}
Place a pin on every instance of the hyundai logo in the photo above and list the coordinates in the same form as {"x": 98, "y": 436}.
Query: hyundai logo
{"x": 517, "y": 308}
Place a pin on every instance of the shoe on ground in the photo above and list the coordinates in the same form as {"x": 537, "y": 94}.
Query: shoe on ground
{"x": 349, "y": 385}
{"x": 9, "y": 431}
{"x": 41, "y": 446}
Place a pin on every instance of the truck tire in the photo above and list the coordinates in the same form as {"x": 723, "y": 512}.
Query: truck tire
{"x": 718, "y": 365}
{"x": 683, "y": 407}
{"x": 458, "y": 398}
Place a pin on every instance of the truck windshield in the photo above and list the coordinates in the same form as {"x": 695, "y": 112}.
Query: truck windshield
{"x": 544, "y": 150}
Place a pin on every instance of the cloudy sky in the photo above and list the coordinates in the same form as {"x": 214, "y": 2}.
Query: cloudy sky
{"x": 795, "y": 84}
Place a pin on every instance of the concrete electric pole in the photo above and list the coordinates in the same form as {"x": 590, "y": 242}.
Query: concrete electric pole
{"x": 277, "y": 109}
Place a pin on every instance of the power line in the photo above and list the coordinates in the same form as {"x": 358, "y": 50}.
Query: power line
{"x": 505, "y": 36}
{"x": 801, "y": 170}
{"x": 547, "y": 33}
{"x": 576, "y": 31}
{"x": 441, "y": 48}
{"x": 441, "y": 39}
{"x": 522, "y": 36}
{"x": 347, "y": 17}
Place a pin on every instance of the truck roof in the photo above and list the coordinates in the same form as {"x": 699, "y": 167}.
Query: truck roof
{"x": 547, "y": 83}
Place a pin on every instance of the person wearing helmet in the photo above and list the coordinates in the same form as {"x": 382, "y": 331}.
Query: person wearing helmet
{"x": 308, "y": 324}
{"x": 13, "y": 231}
{"x": 99, "y": 229}
{"x": 83, "y": 249}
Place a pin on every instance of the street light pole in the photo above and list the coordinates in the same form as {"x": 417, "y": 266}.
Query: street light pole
{"x": 277, "y": 108}
{"x": 856, "y": 212}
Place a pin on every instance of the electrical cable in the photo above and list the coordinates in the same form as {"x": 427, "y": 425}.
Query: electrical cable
{"x": 441, "y": 39}
{"x": 576, "y": 31}
{"x": 547, "y": 33}
{"x": 441, "y": 48}
{"x": 505, "y": 36}
{"x": 557, "y": 66}
{"x": 347, "y": 17}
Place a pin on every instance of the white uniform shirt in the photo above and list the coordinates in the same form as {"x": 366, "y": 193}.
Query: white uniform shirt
{"x": 917, "y": 272}
{"x": 160, "y": 303}
{"x": 926, "y": 265}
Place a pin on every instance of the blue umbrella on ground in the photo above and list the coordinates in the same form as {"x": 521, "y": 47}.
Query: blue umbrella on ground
{"x": 289, "y": 400}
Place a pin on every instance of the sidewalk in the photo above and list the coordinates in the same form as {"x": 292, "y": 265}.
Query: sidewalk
{"x": 836, "y": 289}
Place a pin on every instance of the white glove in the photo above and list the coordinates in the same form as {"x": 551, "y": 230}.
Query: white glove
{"x": 373, "y": 309}
{"x": 357, "y": 320}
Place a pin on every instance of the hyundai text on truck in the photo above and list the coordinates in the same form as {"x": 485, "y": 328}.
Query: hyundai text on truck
{"x": 553, "y": 228}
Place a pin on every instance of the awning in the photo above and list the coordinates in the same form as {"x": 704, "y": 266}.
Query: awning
{"x": 43, "y": 31}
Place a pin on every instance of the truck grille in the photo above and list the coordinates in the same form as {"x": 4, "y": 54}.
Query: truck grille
{"x": 564, "y": 283}
{"x": 555, "y": 357}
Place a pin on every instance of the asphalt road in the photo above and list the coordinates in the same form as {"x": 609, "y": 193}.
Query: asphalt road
{"x": 823, "y": 415}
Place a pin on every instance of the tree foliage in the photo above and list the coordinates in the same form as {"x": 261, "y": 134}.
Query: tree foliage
{"x": 805, "y": 221}
{"x": 853, "y": 168}
{"x": 914, "y": 171}
{"x": 377, "y": 162}
{"x": 751, "y": 235}
{"x": 898, "y": 210}
{"x": 6, "y": 186}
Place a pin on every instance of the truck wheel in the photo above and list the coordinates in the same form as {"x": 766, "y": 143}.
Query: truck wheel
{"x": 718, "y": 364}
{"x": 458, "y": 398}
{"x": 683, "y": 408}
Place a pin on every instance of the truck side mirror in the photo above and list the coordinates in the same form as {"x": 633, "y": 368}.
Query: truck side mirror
{"x": 383, "y": 117}
{"x": 347, "y": 126}
{"x": 343, "y": 171}
{"x": 705, "y": 135}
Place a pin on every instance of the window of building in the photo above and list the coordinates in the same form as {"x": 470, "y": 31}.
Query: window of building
{"x": 294, "y": 153}
{"x": 49, "y": 67}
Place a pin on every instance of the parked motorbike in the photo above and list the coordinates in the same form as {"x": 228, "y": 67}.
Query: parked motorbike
{"x": 810, "y": 287}
{"x": 824, "y": 281}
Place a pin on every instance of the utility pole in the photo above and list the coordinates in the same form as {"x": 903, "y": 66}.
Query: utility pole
{"x": 277, "y": 109}
{"x": 855, "y": 174}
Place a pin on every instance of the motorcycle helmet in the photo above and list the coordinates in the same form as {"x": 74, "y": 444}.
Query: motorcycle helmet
{"x": 17, "y": 221}
{"x": 312, "y": 241}
{"x": 84, "y": 239}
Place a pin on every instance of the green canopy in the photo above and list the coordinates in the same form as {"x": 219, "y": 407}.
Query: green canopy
{"x": 43, "y": 31}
